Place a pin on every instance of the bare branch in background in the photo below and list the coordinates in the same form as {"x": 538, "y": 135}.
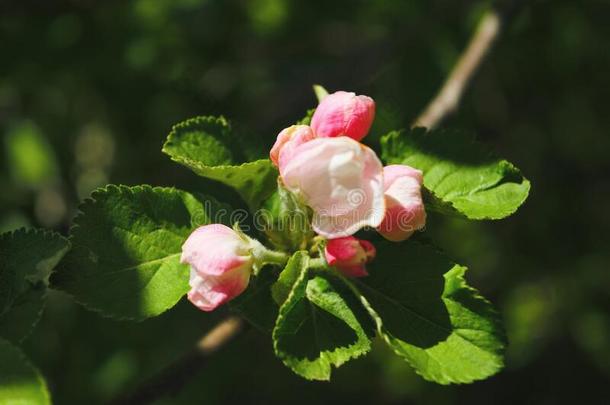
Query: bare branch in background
{"x": 171, "y": 379}
{"x": 450, "y": 95}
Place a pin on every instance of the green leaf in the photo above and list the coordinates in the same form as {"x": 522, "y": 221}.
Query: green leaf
{"x": 319, "y": 323}
{"x": 427, "y": 314}
{"x": 462, "y": 177}
{"x": 126, "y": 245}
{"x": 27, "y": 258}
{"x": 20, "y": 382}
{"x": 286, "y": 221}
{"x": 205, "y": 145}
{"x": 295, "y": 268}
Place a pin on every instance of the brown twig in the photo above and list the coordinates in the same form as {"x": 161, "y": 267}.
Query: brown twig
{"x": 449, "y": 96}
{"x": 171, "y": 379}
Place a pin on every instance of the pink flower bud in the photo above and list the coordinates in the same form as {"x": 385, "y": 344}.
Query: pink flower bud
{"x": 341, "y": 180}
{"x": 288, "y": 140}
{"x": 350, "y": 255}
{"x": 343, "y": 114}
{"x": 405, "y": 212}
{"x": 221, "y": 263}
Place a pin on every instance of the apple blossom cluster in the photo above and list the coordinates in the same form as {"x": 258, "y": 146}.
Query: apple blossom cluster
{"x": 343, "y": 182}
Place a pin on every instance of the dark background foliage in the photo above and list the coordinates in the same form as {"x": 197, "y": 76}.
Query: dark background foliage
{"x": 89, "y": 89}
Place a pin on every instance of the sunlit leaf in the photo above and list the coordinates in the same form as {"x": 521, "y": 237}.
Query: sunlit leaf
{"x": 206, "y": 146}
{"x": 126, "y": 246}
{"x": 461, "y": 175}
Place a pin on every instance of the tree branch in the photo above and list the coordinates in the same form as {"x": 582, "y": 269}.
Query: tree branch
{"x": 171, "y": 379}
{"x": 450, "y": 94}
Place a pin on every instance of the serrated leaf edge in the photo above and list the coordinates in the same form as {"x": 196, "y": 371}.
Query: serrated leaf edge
{"x": 387, "y": 337}
{"x": 121, "y": 188}
{"x": 440, "y": 132}
{"x": 46, "y": 234}
{"x": 281, "y": 314}
{"x": 190, "y": 163}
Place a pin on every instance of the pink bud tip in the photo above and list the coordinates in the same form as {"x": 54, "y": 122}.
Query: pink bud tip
{"x": 343, "y": 114}
{"x": 221, "y": 264}
{"x": 287, "y": 141}
{"x": 405, "y": 211}
{"x": 350, "y": 255}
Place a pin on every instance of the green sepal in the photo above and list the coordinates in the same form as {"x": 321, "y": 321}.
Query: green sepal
{"x": 286, "y": 220}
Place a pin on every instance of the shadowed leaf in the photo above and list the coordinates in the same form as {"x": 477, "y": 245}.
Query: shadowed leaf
{"x": 27, "y": 258}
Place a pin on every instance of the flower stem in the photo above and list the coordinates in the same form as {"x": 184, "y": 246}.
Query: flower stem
{"x": 274, "y": 257}
{"x": 263, "y": 256}
{"x": 318, "y": 263}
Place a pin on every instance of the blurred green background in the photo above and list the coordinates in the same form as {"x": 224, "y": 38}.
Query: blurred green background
{"x": 89, "y": 89}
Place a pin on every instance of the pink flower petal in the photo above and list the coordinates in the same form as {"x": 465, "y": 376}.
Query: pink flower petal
{"x": 209, "y": 292}
{"x": 341, "y": 180}
{"x": 215, "y": 249}
{"x": 288, "y": 140}
{"x": 221, "y": 263}
{"x": 405, "y": 211}
{"x": 349, "y": 255}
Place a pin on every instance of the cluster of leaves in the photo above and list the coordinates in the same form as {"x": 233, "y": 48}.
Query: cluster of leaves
{"x": 27, "y": 258}
{"x": 122, "y": 260}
